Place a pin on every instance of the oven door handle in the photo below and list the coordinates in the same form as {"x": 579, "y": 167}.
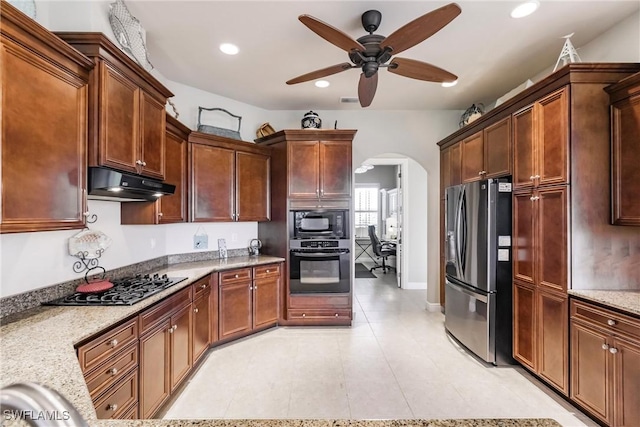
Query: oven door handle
{"x": 319, "y": 254}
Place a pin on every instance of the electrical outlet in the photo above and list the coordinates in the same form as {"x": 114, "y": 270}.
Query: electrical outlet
{"x": 200, "y": 242}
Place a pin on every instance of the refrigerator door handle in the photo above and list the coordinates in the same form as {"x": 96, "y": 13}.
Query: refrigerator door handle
{"x": 459, "y": 238}
{"x": 468, "y": 292}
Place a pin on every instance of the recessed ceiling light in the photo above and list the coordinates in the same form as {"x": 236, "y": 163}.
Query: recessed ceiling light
{"x": 525, "y": 9}
{"x": 449, "y": 84}
{"x": 322, "y": 83}
{"x": 229, "y": 49}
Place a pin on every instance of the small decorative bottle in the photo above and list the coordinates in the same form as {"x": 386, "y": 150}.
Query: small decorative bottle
{"x": 311, "y": 121}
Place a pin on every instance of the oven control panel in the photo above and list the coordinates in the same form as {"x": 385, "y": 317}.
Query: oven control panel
{"x": 319, "y": 244}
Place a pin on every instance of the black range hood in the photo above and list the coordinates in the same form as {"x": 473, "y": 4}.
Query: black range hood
{"x": 107, "y": 184}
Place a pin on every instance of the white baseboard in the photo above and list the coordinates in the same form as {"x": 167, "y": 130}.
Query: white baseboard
{"x": 433, "y": 306}
{"x": 415, "y": 285}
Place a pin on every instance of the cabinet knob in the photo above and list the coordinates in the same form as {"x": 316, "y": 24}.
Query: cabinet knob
{"x": 112, "y": 407}
{"x": 304, "y": 315}
{"x": 113, "y": 343}
{"x": 236, "y": 276}
{"x": 175, "y": 327}
{"x": 138, "y": 162}
{"x": 536, "y": 176}
{"x": 113, "y": 371}
{"x": 534, "y": 198}
{"x": 255, "y": 287}
{"x": 605, "y": 346}
{"x": 336, "y": 314}
{"x": 195, "y": 310}
{"x": 613, "y": 350}
{"x": 482, "y": 172}
{"x": 85, "y": 213}
{"x": 160, "y": 214}
{"x": 611, "y": 322}
{"x": 144, "y": 163}
{"x": 203, "y": 286}
{"x": 531, "y": 178}
{"x": 268, "y": 271}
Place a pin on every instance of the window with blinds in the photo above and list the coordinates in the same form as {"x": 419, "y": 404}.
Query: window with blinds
{"x": 367, "y": 202}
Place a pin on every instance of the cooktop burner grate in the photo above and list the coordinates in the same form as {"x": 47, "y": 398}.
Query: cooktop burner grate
{"x": 127, "y": 291}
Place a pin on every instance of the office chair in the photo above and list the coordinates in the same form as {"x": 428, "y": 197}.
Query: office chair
{"x": 381, "y": 250}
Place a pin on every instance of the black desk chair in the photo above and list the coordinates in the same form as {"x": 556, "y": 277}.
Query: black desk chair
{"x": 381, "y": 249}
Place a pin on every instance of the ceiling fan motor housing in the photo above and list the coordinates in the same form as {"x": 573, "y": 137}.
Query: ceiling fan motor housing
{"x": 371, "y": 20}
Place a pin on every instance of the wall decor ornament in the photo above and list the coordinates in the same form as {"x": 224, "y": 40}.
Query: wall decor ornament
{"x": 311, "y": 121}
{"x": 129, "y": 33}
{"x": 471, "y": 114}
{"x": 568, "y": 53}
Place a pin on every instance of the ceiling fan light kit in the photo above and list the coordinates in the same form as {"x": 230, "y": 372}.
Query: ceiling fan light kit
{"x": 373, "y": 51}
{"x": 525, "y": 9}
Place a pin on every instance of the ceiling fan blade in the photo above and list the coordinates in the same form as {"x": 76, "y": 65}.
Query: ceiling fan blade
{"x": 334, "y": 69}
{"x": 331, "y": 34}
{"x": 420, "y": 28}
{"x": 367, "y": 89}
{"x": 420, "y": 70}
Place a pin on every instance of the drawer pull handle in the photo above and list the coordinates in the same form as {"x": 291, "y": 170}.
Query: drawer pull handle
{"x": 236, "y": 276}
{"x": 613, "y": 350}
{"x": 195, "y": 310}
{"x": 611, "y": 322}
{"x": 113, "y": 371}
{"x": 336, "y": 314}
{"x": 268, "y": 271}
{"x": 112, "y": 407}
{"x": 304, "y": 315}
{"x": 203, "y": 286}
{"x": 113, "y": 343}
{"x": 605, "y": 347}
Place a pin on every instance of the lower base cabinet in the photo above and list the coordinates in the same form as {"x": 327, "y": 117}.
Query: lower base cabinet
{"x": 202, "y": 321}
{"x": 605, "y": 363}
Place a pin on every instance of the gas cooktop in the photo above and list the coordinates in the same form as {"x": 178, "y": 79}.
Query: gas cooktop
{"x": 127, "y": 291}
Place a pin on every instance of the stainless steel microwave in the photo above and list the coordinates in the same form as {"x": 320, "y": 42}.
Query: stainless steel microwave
{"x": 325, "y": 223}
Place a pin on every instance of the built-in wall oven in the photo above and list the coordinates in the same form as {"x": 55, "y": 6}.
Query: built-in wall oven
{"x": 319, "y": 266}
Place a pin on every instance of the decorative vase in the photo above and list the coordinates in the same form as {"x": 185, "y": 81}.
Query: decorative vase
{"x": 311, "y": 121}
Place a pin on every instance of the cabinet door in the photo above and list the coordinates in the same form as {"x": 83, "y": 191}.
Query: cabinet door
{"x": 119, "y": 121}
{"x": 44, "y": 138}
{"x": 552, "y": 340}
{"x": 201, "y": 323}
{"x": 625, "y": 116}
{"x": 155, "y": 350}
{"x": 304, "y": 169}
{"x": 551, "y": 253}
{"x": 265, "y": 301}
{"x": 252, "y": 187}
{"x": 524, "y": 324}
{"x": 626, "y": 394}
{"x": 473, "y": 158}
{"x": 173, "y": 208}
{"x": 212, "y": 182}
{"x": 497, "y": 149}
{"x": 590, "y": 370}
{"x": 335, "y": 169}
{"x": 152, "y": 136}
{"x": 181, "y": 342}
{"x": 235, "y": 309}
{"x": 213, "y": 307}
{"x": 523, "y": 147}
{"x": 553, "y": 138}
{"x": 524, "y": 237}
{"x": 445, "y": 170}
{"x": 455, "y": 167}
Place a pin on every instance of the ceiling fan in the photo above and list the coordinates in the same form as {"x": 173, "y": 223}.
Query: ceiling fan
{"x": 372, "y": 51}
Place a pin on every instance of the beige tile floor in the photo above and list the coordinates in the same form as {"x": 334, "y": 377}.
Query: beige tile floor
{"x": 395, "y": 362}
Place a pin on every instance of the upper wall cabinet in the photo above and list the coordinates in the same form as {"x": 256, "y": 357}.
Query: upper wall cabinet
{"x": 228, "y": 179}
{"x": 44, "y": 131}
{"x": 625, "y": 151}
{"x": 167, "y": 209}
{"x": 126, "y": 114}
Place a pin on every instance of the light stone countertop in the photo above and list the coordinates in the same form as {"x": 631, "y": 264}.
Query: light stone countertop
{"x": 626, "y": 301}
{"x": 38, "y": 346}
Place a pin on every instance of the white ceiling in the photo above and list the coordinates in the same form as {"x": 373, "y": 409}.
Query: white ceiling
{"x": 490, "y": 52}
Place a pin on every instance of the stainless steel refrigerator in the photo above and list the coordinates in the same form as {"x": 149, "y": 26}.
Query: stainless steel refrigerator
{"x": 478, "y": 296}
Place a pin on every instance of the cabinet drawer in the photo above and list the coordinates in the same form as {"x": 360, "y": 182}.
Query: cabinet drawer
{"x": 156, "y": 314}
{"x": 117, "y": 401}
{"x": 106, "y": 345}
{"x": 201, "y": 286}
{"x": 235, "y": 275}
{"x": 319, "y": 302}
{"x": 112, "y": 371}
{"x": 325, "y": 315}
{"x": 131, "y": 414}
{"x": 610, "y": 320}
{"x": 271, "y": 270}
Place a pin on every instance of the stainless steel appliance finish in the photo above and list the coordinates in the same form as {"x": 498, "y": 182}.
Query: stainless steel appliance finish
{"x": 478, "y": 306}
{"x": 319, "y": 223}
{"x": 319, "y": 266}
{"x": 108, "y": 184}
{"x": 127, "y": 291}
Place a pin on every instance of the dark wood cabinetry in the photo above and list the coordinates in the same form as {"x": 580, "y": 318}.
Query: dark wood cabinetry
{"x": 202, "y": 317}
{"x": 167, "y": 209}
{"x": 44, "y": 131}
{"x": 605, "y": 363}
{"x": 229, "y": 179}
{"x": 487, "y": 153}
{"x": 126, "y": 109}
{"x": 266, "y": 290}
{"x": 625, "y": 151}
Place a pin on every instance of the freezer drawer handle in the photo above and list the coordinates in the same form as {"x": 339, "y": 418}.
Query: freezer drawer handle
{"x": 467, "y": 292}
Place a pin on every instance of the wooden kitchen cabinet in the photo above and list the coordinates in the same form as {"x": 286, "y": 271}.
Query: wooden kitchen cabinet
{"x": 127, "y": 114}
{"x": 524, "y": 324}
{"x": 541, "y": 141}
{"x": 605, "y": 363}
{"x": 473, "y": 157}
{"x": 44, "y": 128}
{"x": 625, "y": 151}
{"x": 229, "y": 179}
{"x": 320, "y": 169}
{"x": 155, "y": 359}
{"x": 266, "y": 290}
{"x": 552, "y": 339}
{"x": 167, "y": 209}
{"x": 487, "y": 153}
{"x": 202, "y": 321}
